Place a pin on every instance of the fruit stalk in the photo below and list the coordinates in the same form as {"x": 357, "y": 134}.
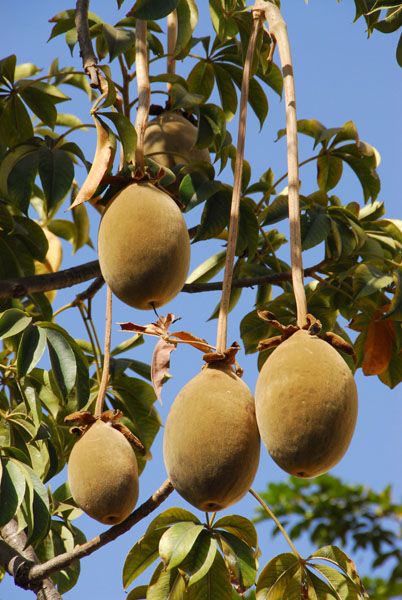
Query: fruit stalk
{"x": 89, "y": 59}
{"x": 106, "y": 355}
{"x": 277, "y": 27}
{"x": 221, "y": 339}
{"x": 144, "y": 90}
{"x": 171, "y": 45}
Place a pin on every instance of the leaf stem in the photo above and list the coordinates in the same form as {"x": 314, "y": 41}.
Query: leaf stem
{"x": 106, "y": 355}
{"x": 97, "y": 357}
{"x": 276, "y": 521}
{"x": 221, "y": 337}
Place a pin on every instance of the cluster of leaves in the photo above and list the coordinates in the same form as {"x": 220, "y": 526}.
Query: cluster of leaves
{"x": 328, "y": 510}
{"x": 220, "y": 560}
{"x": 384, "y": 16}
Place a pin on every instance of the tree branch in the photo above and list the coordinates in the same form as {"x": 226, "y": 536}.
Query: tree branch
{"x": 16, "y": 288}
{"x": 89, "y": 60}
{"x": 38, "y": 573}
{"x": 18, "y": 559}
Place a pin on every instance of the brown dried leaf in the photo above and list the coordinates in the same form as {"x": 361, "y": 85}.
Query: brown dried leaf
{"x": 193, "y": 340}
{"x": 160, "y": 364}
{"x": 378, "y": 347}
{"x": 287, "y": 330}
{"x": 160, "y": 328}
{"x": 111, "y": 416}
{"x": 313, "y": 325}
{"x": 103, "y": 160}
{"x": 228, "y": 357}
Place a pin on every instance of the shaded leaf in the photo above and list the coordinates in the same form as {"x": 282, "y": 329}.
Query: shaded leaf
{"x": 30, "y": 349}
{"x": 142, "y": 554}
{"x": 177, "y": 542}
{"x": 56, "y": 172}
{"x": 240, "y": 527}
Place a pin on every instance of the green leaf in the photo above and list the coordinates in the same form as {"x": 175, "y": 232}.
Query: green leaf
{"x": 15, "y": 122}
{"x": 363, "y": 169}
{"x": 138, "y": 593}
{"x": 240, "y": 559}
{"x": 199, "y": 560}
{"x": 7, "y": 68}
{"x": 215, "y": 216}
{"x": 177, "y": 542}
{"x": 187, "y": 18}
{"x": 166, "y": 585}
{"x": 141, "y": 555}
{"x": 318, "y": 589}
{"x": 337, "y": 556}
{"x": 126, "y": 132}
{"x": 182, "y": 98}
{"x": 62, "y": 359}
{"x": 172, "y": 515}
{"x": 41, "y": 103}
{"x": 32, "y": 236}
{"x": 153, "y": 9}
{"x": 13, "y": 321}
{"x": 329, "y": 171}
{"x": 399, "y": 51}
{"x": 316, "y": 229}
{"x": 56, "y": 171}
{"x": 117, "y": 40}
{"x": 208, "y": 269}
{"x": 276, "y": 211}
{"x": 215, "y": 584}
{"x": 239, "y": 526}
{"x": 30, "y": 349}
{"x": 227, "y": 91}
{"x": 132, "y": 342}
{"x": 343, "y": 587}
{"x": 282, "y": 566}
{"x": 20, "y": 181}
{"x": 201, "y": 79}
{"x": 257, "y": 97}
{"x": 12, "y": 490}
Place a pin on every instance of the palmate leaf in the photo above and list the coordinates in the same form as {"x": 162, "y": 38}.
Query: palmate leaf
{"x": 343, "y": 587}
{"x": 215, "y": 584}
{"x": 166, "y": 585}
{"x": 187, "y": 18}
{"x": 142, "y": 554}
{"x": 12, "y": 322}
{"x": 240, "y": 527}
{"x": 56, "y": 171}
{"x": 199, "y": 560}
{"x": 12, "y": 489}
{"x": 153, "y": 9}
{"x": 239, "y": 558}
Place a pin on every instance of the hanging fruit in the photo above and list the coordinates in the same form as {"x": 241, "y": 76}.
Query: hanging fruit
{"x": 144, "y": 246}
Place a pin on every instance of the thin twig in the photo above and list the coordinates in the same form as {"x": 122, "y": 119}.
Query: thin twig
{"x": 221, "y": 338}
{"x": 106, "y": 355}
{"x": 278, "y": 28}
{"x": 39, "y": 572}
{"x": 276, "y": 521}
{"x": 89, "y": 60}
{"x": 144, "y": 91}
{"x": 23, "y": 286}
{"x": 171, "y": 45}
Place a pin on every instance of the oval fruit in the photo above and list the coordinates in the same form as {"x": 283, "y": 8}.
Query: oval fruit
{"x": 144, "y": 246}
{"x": 103, "y": 474}
{"x": 211, "y": 445}
{"x": 170, "y": 139}
{"x": 306, "y": 405}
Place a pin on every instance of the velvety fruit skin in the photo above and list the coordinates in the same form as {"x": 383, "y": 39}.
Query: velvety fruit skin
{"x": 211, "y": 445}
{"x": 170, "y": 139}
{"x": 306, "y": 405}
{"x": 103, "y": 474}
{"x": 144, "y": 247}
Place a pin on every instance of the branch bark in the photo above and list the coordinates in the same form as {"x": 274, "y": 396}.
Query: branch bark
{"x": 23, "y": 286}
{"x": 89, "y": 60}
{"x": 18, "y": 560}
{"x": 39, "y": 572}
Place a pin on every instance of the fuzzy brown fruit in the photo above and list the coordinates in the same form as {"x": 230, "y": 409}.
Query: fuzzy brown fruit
{"x": 211, "y": 445}
{"x": 170, "y": 139}
{"x": 103, "y": 474}
{"x": 306, "y": 405}
{"x": 144, "y": 246}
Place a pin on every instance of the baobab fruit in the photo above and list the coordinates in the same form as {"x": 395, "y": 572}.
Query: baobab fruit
{"x": 306, "y": 405}
{"x": 144, "y": 246}
{"x": 103, "y": 474}
{"x": 170, "y": 140}
{"x": 211, "y": 445}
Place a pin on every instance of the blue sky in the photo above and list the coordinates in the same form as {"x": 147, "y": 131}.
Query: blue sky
{"x": 340, "y": 75}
